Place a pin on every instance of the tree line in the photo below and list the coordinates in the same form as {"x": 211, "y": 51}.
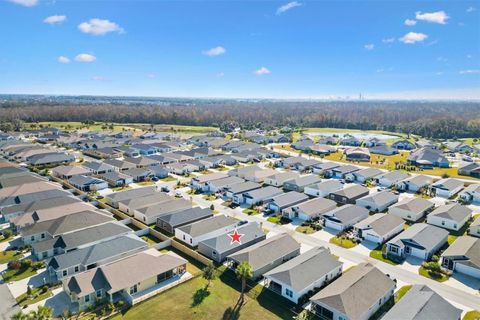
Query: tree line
{"x": 428, "y": 119}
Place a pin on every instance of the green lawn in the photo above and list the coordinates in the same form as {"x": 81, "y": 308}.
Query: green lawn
{"x": 167, "y": 179}
{"x": 15, "y": 275}
{"x": 250, "y": 211}
{"x": 278, "y": 220}
{"x": 7, "y": 256}
{"x": 342, "y": 242}
{"x": 37, "y": 295}
{"x": 305, "y": 229}
{"x": 145, "y": 183}
{"x": 210, "y": 197}
{"x": 191, "y": 301}
{"x": 3, "y": 239}
{"x": 472, "y": 315}
{"x": 377, "y": 254}
{"x": 401, "y": 292}
{"x": 424, "y": 272}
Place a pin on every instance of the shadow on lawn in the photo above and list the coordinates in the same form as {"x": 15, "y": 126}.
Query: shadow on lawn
{"x": 199, "y": 296}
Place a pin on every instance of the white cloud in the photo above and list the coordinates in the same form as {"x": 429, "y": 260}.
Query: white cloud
{"x": 262, "y": 71}
{"x": 469, "y": 56}
{"x": 98, "y": 78}
{"x": 413, "y": 37}
{"x": 151, "y": 75}
{"x": 54, "y": 19}
{"x": 25, "y": 3}
{"x": 213, "y": 52}
{"x": 470, "y": 71}
{"x": 388, "y": 40}
{"x": 471, "y": 9}
{"x": 442, "y": 59}
{"x": 63, "y": 60}
{"x": 99, "y": 27}
{"x": 220, "y": 74}
{"x": 439, "y": 17}
{"x": 369, "y": 46}
{"x": 288, "y": 6}
{"x": 410, "y": 22}
{"x": 85, "y": 57}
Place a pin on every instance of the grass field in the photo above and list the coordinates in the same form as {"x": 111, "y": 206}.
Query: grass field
{"x": 377, "y": 254}
{"x": 401, "y": 292}
{"x": 344, "y": 243}
{"x": 37, "y": 295}
{"x": 424, "y": 272}
{"x": 9, "y": 255}
{"x": 15, "y": 275}
{"x": 190, "y": 300}
{"x": 305, "y": 229}
{"x": 472, "y": 315}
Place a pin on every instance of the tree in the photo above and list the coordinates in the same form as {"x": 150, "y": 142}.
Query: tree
{"x": 29, "y": 291}
{"x": 243, "y": 272}
{"x": 19, "y": 316}
{"x": 209, "y": 273}
{"x": 42, "y": 313}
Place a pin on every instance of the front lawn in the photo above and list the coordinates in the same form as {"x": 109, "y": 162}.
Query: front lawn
{"x": 472, "y": 315}
{"x": 37, "y": 295}
{"x": 305, "y": 229}
{"x": 343, "y": 242}
{"x": 377, "y": 254}
{"x": 251, "y": 211}
{"x": 145, "y": 183}
{"x": 15, "y": 275}
{"x": 278, "y": 220}
{"x": 210, "y": 197}
{"x": 190, "y": 300}
{"x": 440, "y": 277}
{"x": 167, "y": 179}
{"x": 3, "y": 239}
{"x": 7, "y": 256}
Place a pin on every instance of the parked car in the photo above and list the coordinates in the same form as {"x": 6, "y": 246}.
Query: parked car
{"x": 178, "y": 194}
{"x": 467, "y": 158}
{"x": 165, "y": 189}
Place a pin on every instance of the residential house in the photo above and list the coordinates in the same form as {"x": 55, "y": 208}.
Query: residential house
{"x": 383, "y": 150}
{"x": 279, "y": 178}
{"x": 119, "y": 165}
{"x": 67, "y": 172}
{"x": 142, "y": 162}
{"x": 349, "y": 140}
{"x": 112, "y": 199}
{"x": 403, "y": 145}
{"x": 421, "y": 302}
{"x": 391, "y": 178}
{"x": 322, "y": 167}
{"x": 363, "y": 175}
{"x": 428, "y": 158}
{"x": 419, "y": 240}
{"x": 235, "y": 192}
{"x": 65, "y": 265}
{"x": 344, "y": 217}
{"x": 474, "y": 229}
{"x": 357, "y": 154}
{"x": 415, "y": 183}
{"x": 200, "y": 182}
{"x": 128, "y": 279}
{"x": 471, "y": 169}
{"x": 471, "y": 193}
{"x": 310, "y": 209}
{"x": 169, "y": 222}
{"x": 356, "y": 295}
{"x": 298, "y": 184}
{"x": 129, "y": 205}
{"x": 149, "y": 214}
{"x": 261, "y": 195}
{"x": 379, "y": 228}
{"x": 451, "y": 216}
{"x": 116, "y": 179}
{"x": 303, "y": 274}
{"x": 220, "y": 185}
{"x": 88, "y": 183}
{"x": 265, "y": 255}
{"x": 219, "y": 247}
{"x": 463, "y": 256}
{"x": 323, "y": 189}
{"x": 159, "y": 172}
{"x": 26, "y": 179}
{"x": 322, "y": 149}
{"x": 50, "y": 159}
{"x": 349, "y": 194}
{"x": 340, "y": 172}
{"x": 378, "y": 202}
{"x": 139, "y": 174}
{"x": 98, "y": 167}
{"x": 447, "y": 188}
{"x": 193, "y": 233}
{"x": 285, "y": 200}
{"x": 412, "y": 209}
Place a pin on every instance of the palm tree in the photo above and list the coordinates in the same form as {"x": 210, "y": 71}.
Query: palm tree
{"x": 243, "y": 271}
{"x": 209, "y": 274}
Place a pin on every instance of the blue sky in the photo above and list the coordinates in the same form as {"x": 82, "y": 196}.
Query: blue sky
{"x": 299, "y": 49}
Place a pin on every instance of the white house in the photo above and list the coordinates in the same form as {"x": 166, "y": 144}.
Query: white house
{"x": 193, "y": 233}
{"x": 414, "y": 184}
{"x": 462, "y": 256}
{"x": 447, "y": 188}
{"x": 323, "y": 189}
{"x": 450, "y": 216}
{"x": 411, "y": 209}
{"x": 379, "y": 228}
{"x": 344, "y": 217}
{"x": 471, "y": 193}
{"x": 474, "y": 229}
{"x": 378, "y": 202}
{"x": 391, "y": 178}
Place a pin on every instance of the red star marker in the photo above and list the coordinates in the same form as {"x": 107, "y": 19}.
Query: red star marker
{"x": 235, "y": 237}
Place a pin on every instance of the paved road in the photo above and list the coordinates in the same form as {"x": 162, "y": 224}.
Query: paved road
{"x": 448, "y": 292}
{"x": 6, "y": 303}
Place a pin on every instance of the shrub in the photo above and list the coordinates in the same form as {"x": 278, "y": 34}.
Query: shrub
{"x": 120, "y": 304}
{"x": 44, "y": 289}
{"x": 14, "y": 265}
{"x": 26, "y": 263}
{"x": 435, "y": 258}
{"x": 7, "y": 233}
{"x": 212, "y": 207}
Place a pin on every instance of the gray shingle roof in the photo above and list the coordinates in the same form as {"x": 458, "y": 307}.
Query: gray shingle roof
{"x": 186, "y": 216}
{"x": 289, "y": 198}
{"x": 416, "y": 205}
{"x": 223, "y": 243}
{"x": 355, "y": 291}
{"x": 208, "y": 225}
{"x": 352, "y": 191}
{"x": 301, "y": 271}
{"x": 465, "y": 246}
{"x": 422, "y": 303}
{"x": 422, "y": 234}
{"x": 453, "y": 211}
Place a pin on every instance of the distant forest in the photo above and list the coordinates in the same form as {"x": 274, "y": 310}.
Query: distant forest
{"x": 428, "y": 119}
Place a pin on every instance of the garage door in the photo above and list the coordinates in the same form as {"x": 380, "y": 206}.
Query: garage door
{"x": 467, "y": 270}
{"x": 372, "y": 238}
